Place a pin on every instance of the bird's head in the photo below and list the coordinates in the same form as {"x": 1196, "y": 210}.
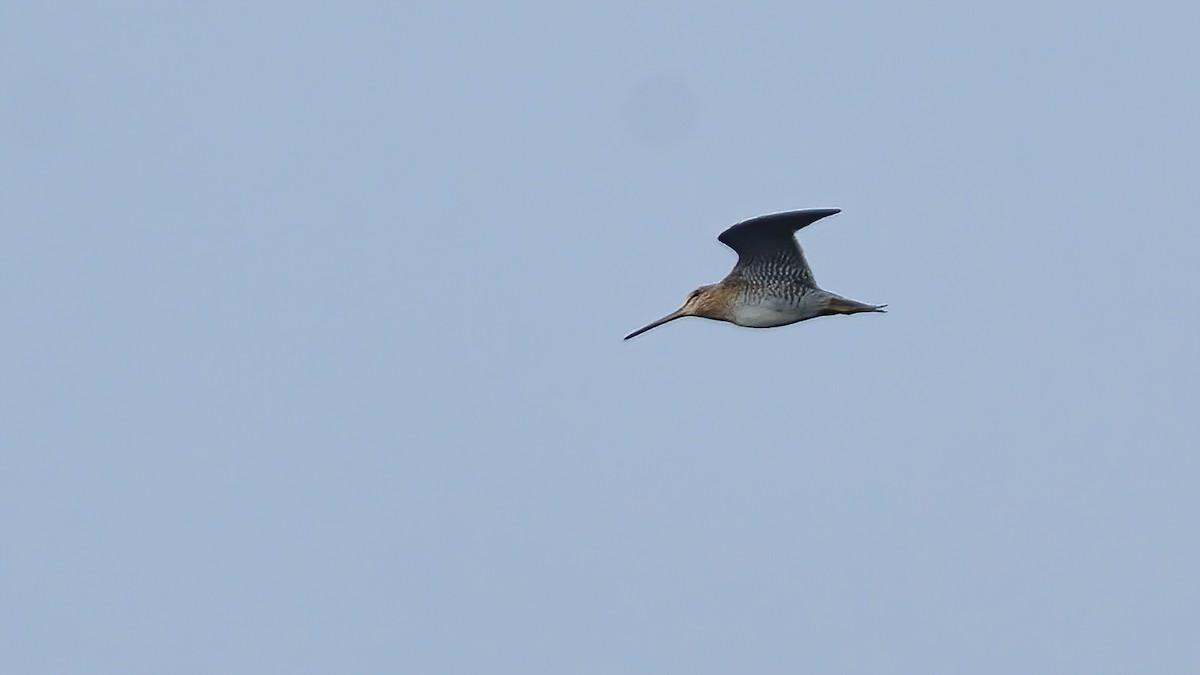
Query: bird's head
{"x": 703, "y": 301}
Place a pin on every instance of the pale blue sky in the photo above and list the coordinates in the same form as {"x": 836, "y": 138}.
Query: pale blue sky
{"x": 312, "y": 327}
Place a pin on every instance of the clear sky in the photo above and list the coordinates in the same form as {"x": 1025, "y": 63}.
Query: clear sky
{"x": 312, "y": 357}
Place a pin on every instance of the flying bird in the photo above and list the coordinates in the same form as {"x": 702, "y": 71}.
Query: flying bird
{"x": 771, "y": 284}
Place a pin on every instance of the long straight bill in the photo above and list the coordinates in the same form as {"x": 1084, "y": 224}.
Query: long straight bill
{"x": 670, "y": 317}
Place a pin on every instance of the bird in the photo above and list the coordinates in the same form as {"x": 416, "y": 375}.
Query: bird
{"x": 771, "y": 284}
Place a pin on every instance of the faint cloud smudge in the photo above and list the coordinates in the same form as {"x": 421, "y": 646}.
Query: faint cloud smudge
{"x": 660, "y": 111}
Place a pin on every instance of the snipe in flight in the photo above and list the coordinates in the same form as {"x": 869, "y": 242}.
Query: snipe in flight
{"x": 771, "y": 284}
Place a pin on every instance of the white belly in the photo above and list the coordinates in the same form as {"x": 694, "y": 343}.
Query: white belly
{"x": 766, "y": 315}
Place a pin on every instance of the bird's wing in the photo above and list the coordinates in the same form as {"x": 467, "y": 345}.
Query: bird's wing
{"x": 770, "y": 241}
